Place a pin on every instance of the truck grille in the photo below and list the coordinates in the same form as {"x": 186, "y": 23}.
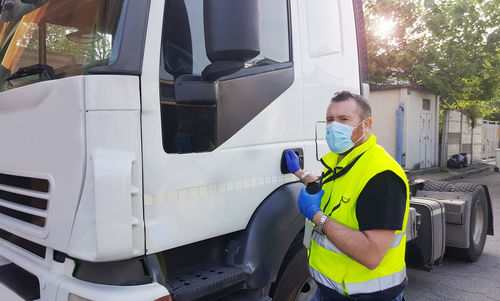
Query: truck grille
{"x": 28, "y": 245}
{"x": 24, "y": 199}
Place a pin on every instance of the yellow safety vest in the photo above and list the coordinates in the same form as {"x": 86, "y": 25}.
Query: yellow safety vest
{"x": 327, "y": 264}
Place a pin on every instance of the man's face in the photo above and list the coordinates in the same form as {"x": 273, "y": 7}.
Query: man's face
{"x": 347, "y": 112}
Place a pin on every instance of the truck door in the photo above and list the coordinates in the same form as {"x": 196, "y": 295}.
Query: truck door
{"x": 211, "y": 146}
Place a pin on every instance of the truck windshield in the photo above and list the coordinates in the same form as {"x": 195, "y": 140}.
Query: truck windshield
{"x": 58, "y": 39}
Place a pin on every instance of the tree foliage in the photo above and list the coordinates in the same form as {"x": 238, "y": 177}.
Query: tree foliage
{"x": 56, "y": 41}
{"x": 392, "y": 55}
{"x": 451, "y": 47}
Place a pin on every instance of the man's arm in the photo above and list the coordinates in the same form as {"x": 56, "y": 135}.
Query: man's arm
{"x": 380, "y": 212}
{"x": 366, "y": 247}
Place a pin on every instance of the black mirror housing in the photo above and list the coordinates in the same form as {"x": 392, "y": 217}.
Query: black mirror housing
{"x": 232, "y": 33}
{"x": 232, "y": 29}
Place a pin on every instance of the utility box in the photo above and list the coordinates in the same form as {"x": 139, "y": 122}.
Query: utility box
{"x": 406, "y": 122}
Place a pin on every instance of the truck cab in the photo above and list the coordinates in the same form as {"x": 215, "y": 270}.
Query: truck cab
{"x": 141, "y": 142}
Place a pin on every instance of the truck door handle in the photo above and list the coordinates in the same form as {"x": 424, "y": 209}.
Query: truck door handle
{"x": 300, "y": 153}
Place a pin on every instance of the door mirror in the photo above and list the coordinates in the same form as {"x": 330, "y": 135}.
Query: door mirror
{"x": 13, "y": 9}
{"x": 232, "y": 35}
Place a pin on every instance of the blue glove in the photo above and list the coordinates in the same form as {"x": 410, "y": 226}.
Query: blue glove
{"x": 292, "y": 161}
{"x": 309, "y": 204}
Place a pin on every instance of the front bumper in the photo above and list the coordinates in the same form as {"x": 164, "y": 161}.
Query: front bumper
{"x": 56, "y": 282}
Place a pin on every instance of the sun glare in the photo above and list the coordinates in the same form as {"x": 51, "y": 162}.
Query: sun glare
{"x": 384, "y": 27}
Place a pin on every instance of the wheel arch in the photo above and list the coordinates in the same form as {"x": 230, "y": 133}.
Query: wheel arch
{"x": 272, "y": 230}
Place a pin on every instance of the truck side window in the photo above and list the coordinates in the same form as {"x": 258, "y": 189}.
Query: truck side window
{"x": 191, "y": 128}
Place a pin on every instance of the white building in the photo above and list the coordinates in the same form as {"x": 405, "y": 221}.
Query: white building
{"x": 406, "y": 122}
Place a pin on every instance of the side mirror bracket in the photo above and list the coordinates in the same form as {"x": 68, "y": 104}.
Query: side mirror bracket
{"x": 192, "y": 90}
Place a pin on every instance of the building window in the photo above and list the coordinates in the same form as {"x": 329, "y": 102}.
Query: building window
{"x": 426, "y": 104}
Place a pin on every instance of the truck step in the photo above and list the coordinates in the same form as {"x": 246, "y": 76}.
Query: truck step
{"x": 208, "y": 282}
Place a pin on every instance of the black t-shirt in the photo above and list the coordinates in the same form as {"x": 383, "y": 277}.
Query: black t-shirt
{"x": 381, "y": 204}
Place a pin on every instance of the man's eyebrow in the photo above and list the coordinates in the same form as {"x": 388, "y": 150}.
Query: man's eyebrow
{"x": 338, "y": 116}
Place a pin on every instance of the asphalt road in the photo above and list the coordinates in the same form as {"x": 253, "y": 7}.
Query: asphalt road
{"x": 458, "y": 280}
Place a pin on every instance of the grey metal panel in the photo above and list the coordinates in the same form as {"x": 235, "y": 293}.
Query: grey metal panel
{"x": 457, "y": 222}
{"x": 455, "y": 210}
{"x": 457, "y": 234}
{"x": 432, "y": 235}
{"x": 444, "y": 195}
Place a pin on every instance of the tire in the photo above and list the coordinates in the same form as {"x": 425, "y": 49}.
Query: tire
{"x": 296, "y": 284}
{"x": 464, "y": 187}
{"x": 437, "y": 186}
{"x": 478, "y": 224}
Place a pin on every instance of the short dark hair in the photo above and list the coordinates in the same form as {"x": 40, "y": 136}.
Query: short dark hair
{"x": 365, "y": 110}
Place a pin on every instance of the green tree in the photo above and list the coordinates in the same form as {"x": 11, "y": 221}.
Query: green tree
{"x": 461, "y": 60}
{"x": 392, "y": 55}
{"x": 453, "y": 49}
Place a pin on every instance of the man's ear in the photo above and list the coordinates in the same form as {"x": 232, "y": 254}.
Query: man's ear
{"x": 369, "y": 122}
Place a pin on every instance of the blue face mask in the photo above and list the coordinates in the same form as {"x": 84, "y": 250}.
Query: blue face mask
{"x": 338, "y": 137}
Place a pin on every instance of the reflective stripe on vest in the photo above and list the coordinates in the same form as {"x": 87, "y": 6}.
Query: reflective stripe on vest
{"x": 374, "y": 285}
{"x": 324, "y": 242}
{"x": 397, "y": 240}
{"x": 377, "y": 284}
{"x": 326, "y": 281}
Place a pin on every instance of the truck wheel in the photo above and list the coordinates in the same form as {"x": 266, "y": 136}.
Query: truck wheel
{"x": 478, "y": 224}
{"x": 464, "y": 187}
{"x": 437, "y": 186}
{"x": 296, "y": 284}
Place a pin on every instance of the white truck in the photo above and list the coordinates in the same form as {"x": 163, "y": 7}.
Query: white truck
{"x": 141, "y": 143}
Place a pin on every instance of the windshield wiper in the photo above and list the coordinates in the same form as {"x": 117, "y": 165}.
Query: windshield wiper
{"x": 33, "y": 70}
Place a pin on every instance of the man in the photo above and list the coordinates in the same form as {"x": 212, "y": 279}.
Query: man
{"x": 358, "y": 246}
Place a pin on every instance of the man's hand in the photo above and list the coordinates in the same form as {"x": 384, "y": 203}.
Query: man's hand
{"x": 309, "y": 204}
{"x": 292, "y": 161}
